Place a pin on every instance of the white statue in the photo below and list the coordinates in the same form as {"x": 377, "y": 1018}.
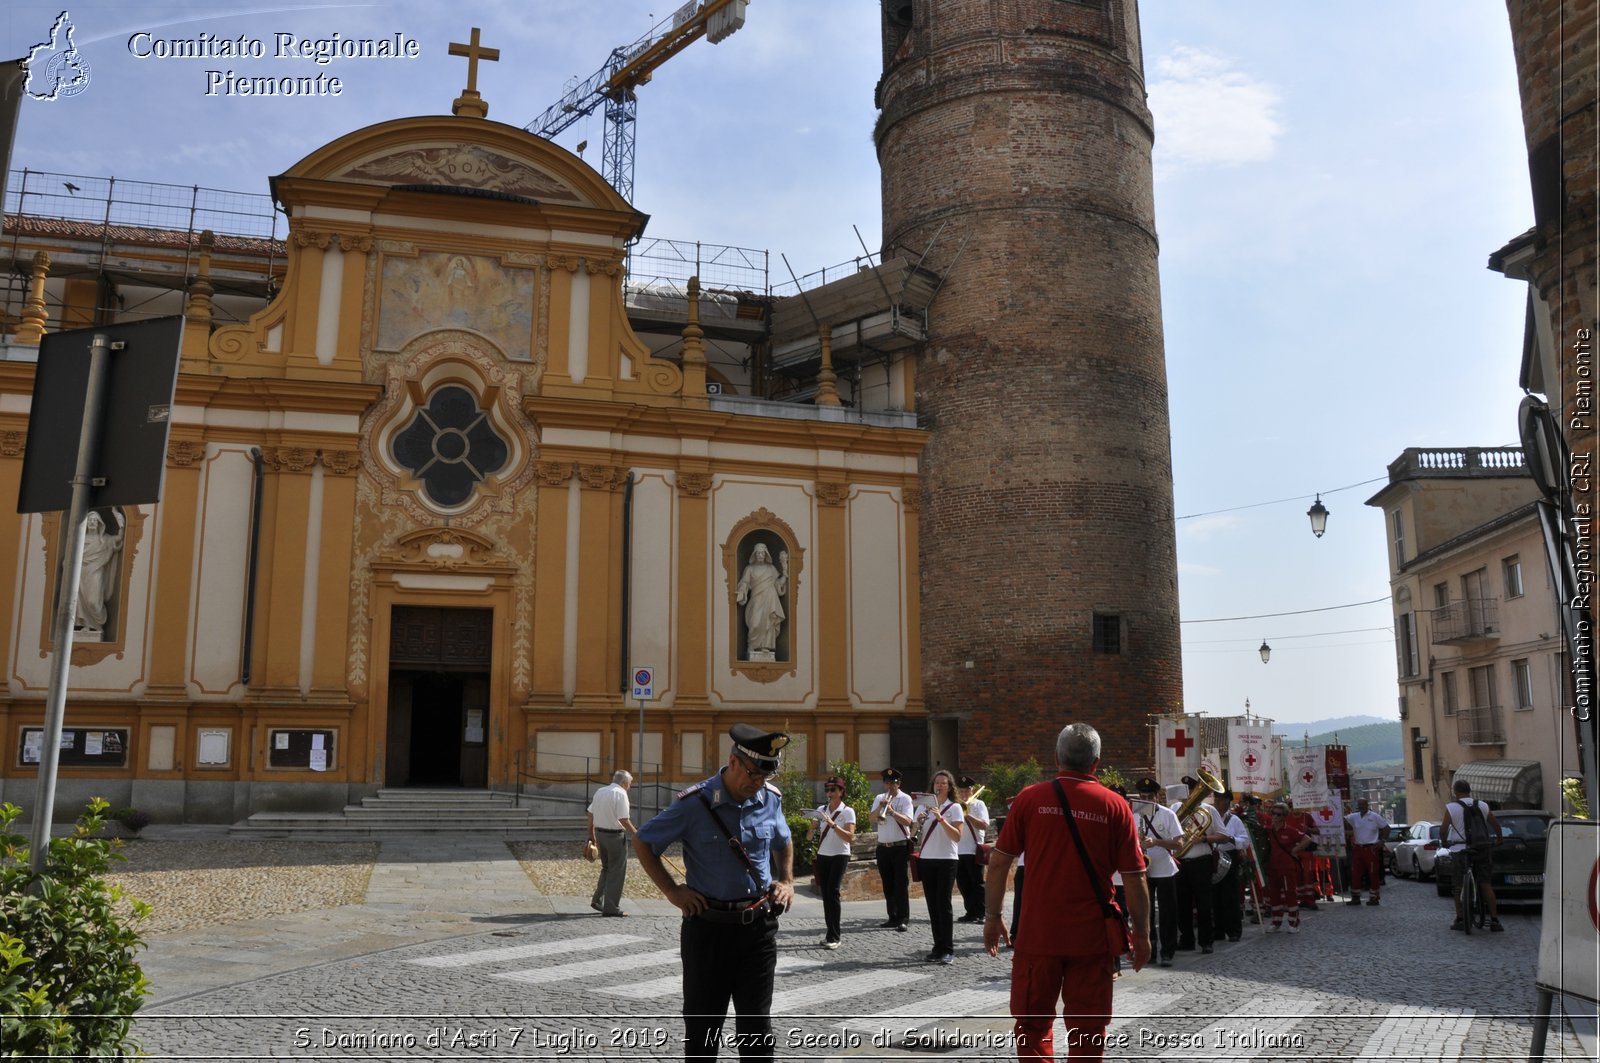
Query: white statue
{"x": 97, "y": 579}
{"x": 761, "y": 589}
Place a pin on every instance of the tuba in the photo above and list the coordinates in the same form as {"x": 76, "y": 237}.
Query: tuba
{"x": 1190, "y": 815}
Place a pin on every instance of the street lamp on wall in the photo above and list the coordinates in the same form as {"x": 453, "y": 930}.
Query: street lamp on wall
{"x": 1265, "y": 651}
{"x": 1319, "y": 517}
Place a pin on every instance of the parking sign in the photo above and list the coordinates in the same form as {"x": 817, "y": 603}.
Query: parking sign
{"x": 644, "y": 684}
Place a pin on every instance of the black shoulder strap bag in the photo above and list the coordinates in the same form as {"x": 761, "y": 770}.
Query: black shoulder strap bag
{"x": 1117, "y": 936}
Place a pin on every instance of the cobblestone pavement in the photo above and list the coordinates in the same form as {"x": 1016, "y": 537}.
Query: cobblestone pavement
{"x": 464, "y": 958}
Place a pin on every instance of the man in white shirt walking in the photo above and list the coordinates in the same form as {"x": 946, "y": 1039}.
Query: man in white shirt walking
{"x": 609, "y": 829}
{"x": 1365, "y": 830}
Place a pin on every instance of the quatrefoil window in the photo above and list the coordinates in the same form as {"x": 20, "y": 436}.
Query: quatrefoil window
{"x": 450, "y": 446}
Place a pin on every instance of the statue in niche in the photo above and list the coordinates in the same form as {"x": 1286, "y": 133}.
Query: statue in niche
{"x": 760, "y": 590}
{"x": 97, "y": 577}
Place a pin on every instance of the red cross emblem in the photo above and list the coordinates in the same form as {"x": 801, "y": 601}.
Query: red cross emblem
{"x": 1180, "y": 742}
{"x": 1307, "y": 777}
{"x": 1325, "y": 812}
{"x": 1250, "y": 760}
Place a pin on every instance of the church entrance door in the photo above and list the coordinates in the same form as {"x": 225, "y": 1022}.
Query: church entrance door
{"x": 439, "y": 697}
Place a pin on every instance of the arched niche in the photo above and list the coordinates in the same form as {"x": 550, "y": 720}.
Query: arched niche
{"x": 762, "y": 559}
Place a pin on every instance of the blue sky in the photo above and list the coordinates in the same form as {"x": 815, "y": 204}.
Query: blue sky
{"x": 1330, "y": 179}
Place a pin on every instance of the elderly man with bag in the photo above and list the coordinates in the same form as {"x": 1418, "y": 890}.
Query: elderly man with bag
{"x": 1075, "y": 833}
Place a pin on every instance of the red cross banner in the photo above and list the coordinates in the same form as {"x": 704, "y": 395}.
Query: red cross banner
{"x": 1329, "y": 816}
{"x": 1308, "y": 777}
{"x": 1251, "y": 766}
{"x": 1177, "y": 748}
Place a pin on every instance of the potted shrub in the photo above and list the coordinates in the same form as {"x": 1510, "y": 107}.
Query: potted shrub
{"x": 132, "y": 820}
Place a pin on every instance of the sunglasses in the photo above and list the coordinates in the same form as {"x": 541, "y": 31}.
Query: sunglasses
{"x": 753, "y": 771}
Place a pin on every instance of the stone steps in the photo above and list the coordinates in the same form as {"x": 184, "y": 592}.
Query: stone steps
{"x": 390, "y": 813}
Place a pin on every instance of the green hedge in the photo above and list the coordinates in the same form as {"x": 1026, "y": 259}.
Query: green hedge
{"x": 69, "y": 983}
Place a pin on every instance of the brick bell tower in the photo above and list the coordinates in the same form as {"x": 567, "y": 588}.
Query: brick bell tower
{"x": 1015, "y": 145}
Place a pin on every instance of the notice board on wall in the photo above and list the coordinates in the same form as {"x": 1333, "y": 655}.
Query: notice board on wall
{"x": 81, "y": 747}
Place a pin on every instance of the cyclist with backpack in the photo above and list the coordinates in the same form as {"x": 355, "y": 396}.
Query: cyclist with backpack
{"x": 1470, "y": 833}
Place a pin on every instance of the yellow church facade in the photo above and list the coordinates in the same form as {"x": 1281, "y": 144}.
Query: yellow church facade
{"x": 429, "y": 508}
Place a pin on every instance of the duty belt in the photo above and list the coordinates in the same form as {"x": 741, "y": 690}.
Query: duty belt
{"x": 736, "y": 912}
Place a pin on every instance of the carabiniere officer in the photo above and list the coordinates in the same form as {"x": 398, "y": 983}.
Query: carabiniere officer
{"x": 740, "y": 877}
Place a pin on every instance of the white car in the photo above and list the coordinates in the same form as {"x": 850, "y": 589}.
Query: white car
{"x": 1415, "y": 857}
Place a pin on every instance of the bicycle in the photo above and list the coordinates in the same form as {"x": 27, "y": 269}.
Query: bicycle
{"x": 1474, "y": 906}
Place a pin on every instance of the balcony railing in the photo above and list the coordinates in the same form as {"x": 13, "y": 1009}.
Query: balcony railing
{"x": 1467, "y": 621}
{"x": 1480, "y": 726}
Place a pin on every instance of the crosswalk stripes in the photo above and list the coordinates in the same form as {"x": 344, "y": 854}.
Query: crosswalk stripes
{"x": 1262, "y": 1026}
{"x": 611, "y": 965}
{"x": 1133, "y": 1007}
{"x": 1409, "y": 1032}
{"x": 522, "y": 952}
{"x": 974, "y": 1000}
{"x": 667, "y": 985}
{"x": 831, "y": 992}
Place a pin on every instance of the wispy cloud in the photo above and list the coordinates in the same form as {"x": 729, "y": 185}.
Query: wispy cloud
{"x": 1207, "y": 526}
{"x": 1209, "y": 114}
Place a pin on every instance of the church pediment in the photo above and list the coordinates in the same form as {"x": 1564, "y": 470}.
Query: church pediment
{"x": 462, "y": 166}
{"x": 447, "y": 151}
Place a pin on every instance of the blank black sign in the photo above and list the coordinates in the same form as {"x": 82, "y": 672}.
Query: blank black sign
{"x": 132, "y": 455}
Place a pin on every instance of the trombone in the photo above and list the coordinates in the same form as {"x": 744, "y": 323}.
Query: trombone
{"x": 965, "y": 805}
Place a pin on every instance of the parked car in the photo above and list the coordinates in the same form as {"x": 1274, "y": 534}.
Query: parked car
{"x": 1414, "y": 857}
{"x": 1391, "y": 840}
{"x": 1517, "y": 867}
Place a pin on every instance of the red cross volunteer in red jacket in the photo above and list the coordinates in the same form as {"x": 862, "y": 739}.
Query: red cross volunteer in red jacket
{"x": 1062, "y": 953}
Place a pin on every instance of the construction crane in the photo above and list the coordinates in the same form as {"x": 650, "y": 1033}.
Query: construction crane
{"x": 625, "y": 70}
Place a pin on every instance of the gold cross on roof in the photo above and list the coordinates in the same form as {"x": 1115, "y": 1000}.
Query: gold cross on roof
{"x": 470, "y": 104}
{"x": 474, "y": 52}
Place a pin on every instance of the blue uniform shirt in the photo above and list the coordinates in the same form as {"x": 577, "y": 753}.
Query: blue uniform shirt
{"x": 714, "y": 868}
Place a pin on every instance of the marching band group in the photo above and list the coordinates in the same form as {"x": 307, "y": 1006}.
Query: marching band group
{"x": 1209, "y": 856}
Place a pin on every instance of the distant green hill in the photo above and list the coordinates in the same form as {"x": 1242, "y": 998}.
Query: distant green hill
{"x": 1372, "y": 745}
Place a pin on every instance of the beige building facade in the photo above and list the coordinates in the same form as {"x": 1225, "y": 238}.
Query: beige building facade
{"x": 1485, "y": 689}
{"x": 429, "y": 506}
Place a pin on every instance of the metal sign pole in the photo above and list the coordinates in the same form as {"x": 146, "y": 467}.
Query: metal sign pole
{"x": 67, "y": 603}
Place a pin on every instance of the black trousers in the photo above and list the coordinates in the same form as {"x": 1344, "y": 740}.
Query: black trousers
{"x": 969, "y": 880}
{"x": 938, "y": 879}
{"x": 1194, "y": 900}
{"x": 725, "y": 962}
{"x": 1164, "y": 924}
{"x": 1225, "y": 910}
{"x": 1016, "y": 902}
{"x": 830, "y": 877}
{"x": 894, "y": 870}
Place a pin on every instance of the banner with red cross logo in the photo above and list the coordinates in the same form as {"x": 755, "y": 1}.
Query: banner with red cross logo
{"x": 1308, "y": 777}
{"x": 1177, "y": 748}
{"x": 1251, "y": 766}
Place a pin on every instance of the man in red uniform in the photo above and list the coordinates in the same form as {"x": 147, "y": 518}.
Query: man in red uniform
{"x": 1066, "y": 955}
{"x": 1284, "y": 867}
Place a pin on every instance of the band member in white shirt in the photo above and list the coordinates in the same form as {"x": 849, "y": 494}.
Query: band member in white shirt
{"x": 1194, "y": 881}
{"x": 836, "y": 826}
{"x": 969, "y": 873}
{"x": 941, "y": 829}
{"x": 1159, "y": 834}
{"x": 1227, "y": 914}
{"x": 891, "y": 817}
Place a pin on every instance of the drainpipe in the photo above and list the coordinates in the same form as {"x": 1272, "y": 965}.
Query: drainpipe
{"x": 255, "y": 556}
